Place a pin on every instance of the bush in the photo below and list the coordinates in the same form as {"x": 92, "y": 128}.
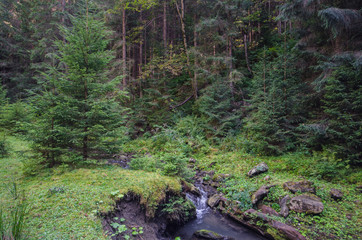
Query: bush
{"x": 169, "y": 164}
{"x": 328, "y": 167}
{"x": 146, "y": 163}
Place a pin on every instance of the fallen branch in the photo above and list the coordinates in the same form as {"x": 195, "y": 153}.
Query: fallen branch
{"x": 179, "y": 105}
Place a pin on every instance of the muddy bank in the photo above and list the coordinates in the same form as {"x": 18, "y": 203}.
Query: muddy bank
{"x": 128, "y": 220}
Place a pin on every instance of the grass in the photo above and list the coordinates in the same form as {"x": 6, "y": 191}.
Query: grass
{"x": 67, "y": 205}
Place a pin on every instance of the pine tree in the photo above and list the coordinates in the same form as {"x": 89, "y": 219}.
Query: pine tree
{"x": 276, "y": 102}
{"x": 342, "y": 105}
{"x": 80, "y": 116}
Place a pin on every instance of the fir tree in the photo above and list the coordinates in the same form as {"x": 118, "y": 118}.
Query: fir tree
{"x": 79, "y": 113}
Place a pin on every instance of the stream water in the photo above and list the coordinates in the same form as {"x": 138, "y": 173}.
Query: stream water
{"x": 213, "y": 221}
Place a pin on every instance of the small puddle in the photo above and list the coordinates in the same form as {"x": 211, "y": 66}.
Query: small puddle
{"x": 213, "y": 221}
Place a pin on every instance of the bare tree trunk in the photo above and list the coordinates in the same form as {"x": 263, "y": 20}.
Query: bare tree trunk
{"x": 195, "y": 70}
{"x": 165, "y": 25}
{"x": 181, "y": 14}
{"x": 230, "y": 56}
{"x": 246, "y": 53}
{"x": 140, "y": 57}
{"x": 124, "y": 49}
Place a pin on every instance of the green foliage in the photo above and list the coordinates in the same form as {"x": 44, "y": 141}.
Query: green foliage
{"x": 239, "y": 190}
{"x": 342, "y": 105}
{"x": 15, "y": 117}
{"x": 169, "y": 164}
{"x": 340, "y": 20}
{"x": 217, "y": 106}
{"x": 179, "y": 210}
{"x": 276, "y": 103}
{"x": 78, "y": 112}
{"x": 327, "y": 166}
{"x": 12, "y": 219}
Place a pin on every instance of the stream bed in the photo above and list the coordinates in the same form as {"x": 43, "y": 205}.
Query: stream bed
{"x": 209, "y": 220}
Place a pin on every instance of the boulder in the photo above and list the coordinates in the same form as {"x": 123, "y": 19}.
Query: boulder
{"x": 287, "y": 231}
{"x": 214, "y": 200}
{"x": 309, "y": 204}
{"x": 302, "y": 186}
{"x": 336, "y": 194}
{"x": 268, "y": 210}
{"x": 210, "y": 235}
{"x": 262, "y": 167}
{"x": 283, "y": 203}
{"x": 260, "y": 194}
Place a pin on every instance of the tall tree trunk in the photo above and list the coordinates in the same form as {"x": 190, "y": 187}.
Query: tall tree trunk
{"x": 246, "y": 53}
{"x": 140, "y": 57}
{"x": 181, "y": 14}
{"x": 124, "y": 49}
{"x": 165, "y": 26}
{"x": 195, "y": 87}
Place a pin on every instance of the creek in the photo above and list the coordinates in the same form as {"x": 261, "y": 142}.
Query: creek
{"x": 210, "y": 220}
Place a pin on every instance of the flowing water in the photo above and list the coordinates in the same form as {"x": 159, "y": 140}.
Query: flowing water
{"x": 210, "y": 220}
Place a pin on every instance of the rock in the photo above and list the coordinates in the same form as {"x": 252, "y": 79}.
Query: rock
{"x": 288, "y": 231}
{"x": 195, "y": 191}
{"x": 220, "y": 177}
{"x": 210, "y": 235}
{"x": 260, "y": 194}
{"x": 283, "y": 203}
{"x": 253, "y": 214}
{"x": 309, "y": 204}
{"x": 302, "y": 186}
{"x": 214, "y": 200}
{"x": 336, "y": 194}
{"x": 268, "y": 210}
{"x": 267, "y": 178}
{"x": 262, "y": 167}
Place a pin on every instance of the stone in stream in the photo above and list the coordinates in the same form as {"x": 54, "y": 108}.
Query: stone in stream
{"x": 209, "y": 235}
{"x": 260, "y": 168}
{"x": 214, "y": 200}
{"x": 309, "y": 204}
{"x": 260, "y": 194}
{"x": 336, "y": 194}
{"x": 283, "y": 203}
{"x": 302, "y": 186}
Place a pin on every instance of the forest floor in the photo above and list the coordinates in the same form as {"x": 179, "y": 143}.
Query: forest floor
{"x": 66, "y": 203}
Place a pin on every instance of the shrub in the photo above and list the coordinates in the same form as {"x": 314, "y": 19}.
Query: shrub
{"x": 174, "y": 165}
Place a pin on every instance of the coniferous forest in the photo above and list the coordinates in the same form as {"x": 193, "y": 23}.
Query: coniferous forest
{"x": 145, "y": 119}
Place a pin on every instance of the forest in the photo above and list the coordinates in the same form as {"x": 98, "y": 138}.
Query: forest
{"x": 150, "y": 119}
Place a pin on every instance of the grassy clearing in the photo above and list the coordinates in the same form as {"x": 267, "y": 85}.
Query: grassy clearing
{"x": 66, "y": 205}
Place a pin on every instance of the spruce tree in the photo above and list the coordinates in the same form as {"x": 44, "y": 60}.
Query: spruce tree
{"x": 78, "y": 112}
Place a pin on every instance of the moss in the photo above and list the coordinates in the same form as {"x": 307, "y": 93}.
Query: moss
{"x": 275, "y": 233}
